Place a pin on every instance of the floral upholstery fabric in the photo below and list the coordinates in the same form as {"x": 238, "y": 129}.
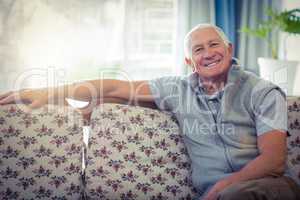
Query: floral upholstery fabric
{"x": 294, "y": 136}
{"x": 136, "y": 153}
{"x": 133, "y": 153}
{"x": 40, "y": 153}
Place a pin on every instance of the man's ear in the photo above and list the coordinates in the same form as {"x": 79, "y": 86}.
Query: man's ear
{"x": 230, "y": 48}
{"x": 188, "y": 61}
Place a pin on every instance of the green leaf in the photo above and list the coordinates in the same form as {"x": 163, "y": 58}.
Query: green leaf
{"x": 287, "y": 21}
{"x": 290, "y": 21}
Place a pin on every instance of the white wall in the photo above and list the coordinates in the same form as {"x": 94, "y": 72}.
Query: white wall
{"x": 293, "y": 45}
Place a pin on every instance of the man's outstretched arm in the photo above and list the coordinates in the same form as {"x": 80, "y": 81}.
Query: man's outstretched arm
{"x": 132, "y": 92}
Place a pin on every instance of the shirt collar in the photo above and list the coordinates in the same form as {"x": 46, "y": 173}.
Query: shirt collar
{"x": 235, "y": 69}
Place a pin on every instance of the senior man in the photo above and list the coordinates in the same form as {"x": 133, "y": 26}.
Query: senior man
{"x": 233, "y": 123}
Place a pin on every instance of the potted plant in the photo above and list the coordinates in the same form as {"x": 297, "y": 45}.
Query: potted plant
{"x": 281, "y": 72}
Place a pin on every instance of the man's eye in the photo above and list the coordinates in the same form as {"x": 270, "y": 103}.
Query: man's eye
{"x": 214, "y": 44}
{"x": 199, "y": 49}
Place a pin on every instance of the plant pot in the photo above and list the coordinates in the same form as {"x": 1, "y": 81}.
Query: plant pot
{"x": 280, "y": 72}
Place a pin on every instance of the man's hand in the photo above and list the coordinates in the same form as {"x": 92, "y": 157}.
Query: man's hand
{"x": 34, "y": 98}
{"x": 216, "y": 189}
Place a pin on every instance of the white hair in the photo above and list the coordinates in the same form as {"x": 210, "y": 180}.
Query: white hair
{"x": 188, "y": 36}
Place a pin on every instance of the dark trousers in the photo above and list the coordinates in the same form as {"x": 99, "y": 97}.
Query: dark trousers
{"x": 270, "y": 188}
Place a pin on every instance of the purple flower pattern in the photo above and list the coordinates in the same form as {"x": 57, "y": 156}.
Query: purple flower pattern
{"x": 134, "y": 153}
{"x": 293, "y": 140}
{"x": 40, "y": 153}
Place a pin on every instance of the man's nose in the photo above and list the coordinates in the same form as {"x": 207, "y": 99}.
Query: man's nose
{"x": 208, "y": 53}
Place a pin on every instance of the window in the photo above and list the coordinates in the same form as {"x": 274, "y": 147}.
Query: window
{"x": 89, "y": 38}
{"x": 149, "y": 36}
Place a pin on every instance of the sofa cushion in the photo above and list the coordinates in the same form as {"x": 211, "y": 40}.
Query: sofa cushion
{"x": 40, "y": 153}
{"x": 136, "y": 153}
{"x": 294, "y": 136}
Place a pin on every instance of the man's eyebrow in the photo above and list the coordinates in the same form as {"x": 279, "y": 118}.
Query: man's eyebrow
{"x": 214, "y": 40}
{"x": 210, "y": 41}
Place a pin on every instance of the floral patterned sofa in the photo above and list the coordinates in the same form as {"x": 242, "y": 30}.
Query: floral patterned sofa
{"x": 136, "y": 153}
{"x": 133, "y": 153}
{"x": 40, "y": 153}
{"x": 293, "y": 106}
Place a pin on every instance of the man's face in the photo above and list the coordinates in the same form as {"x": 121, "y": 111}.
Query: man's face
{"x": 211, "y": 58}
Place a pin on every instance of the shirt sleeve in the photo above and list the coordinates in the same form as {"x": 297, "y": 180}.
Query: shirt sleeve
{"x": 165, "y": 92}
{"x": 271, "y": 114}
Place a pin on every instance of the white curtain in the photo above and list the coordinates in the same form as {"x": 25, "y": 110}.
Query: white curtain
{"x": 189, "y": 14}
{"x": 250, "y": 48}
{"x": 45, "y": 43}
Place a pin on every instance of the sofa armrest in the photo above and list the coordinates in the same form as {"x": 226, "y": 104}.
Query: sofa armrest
{"x": 293, "y": 141}
{"x": 40, "y": 153}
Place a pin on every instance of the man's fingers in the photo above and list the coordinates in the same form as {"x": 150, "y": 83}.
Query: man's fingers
{"x": 12, "y": 97}
{"x": 31, "y": 100}
{"x": 8, "y": 99}
{"x": 4, "y": 95}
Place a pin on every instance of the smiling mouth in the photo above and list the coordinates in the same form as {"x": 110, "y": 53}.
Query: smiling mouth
{"x": 212, "y": 64}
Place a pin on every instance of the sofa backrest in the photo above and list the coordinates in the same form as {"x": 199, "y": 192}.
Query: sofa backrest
{"x": 133, "y": 153}
{"x": 136, "y": 153}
